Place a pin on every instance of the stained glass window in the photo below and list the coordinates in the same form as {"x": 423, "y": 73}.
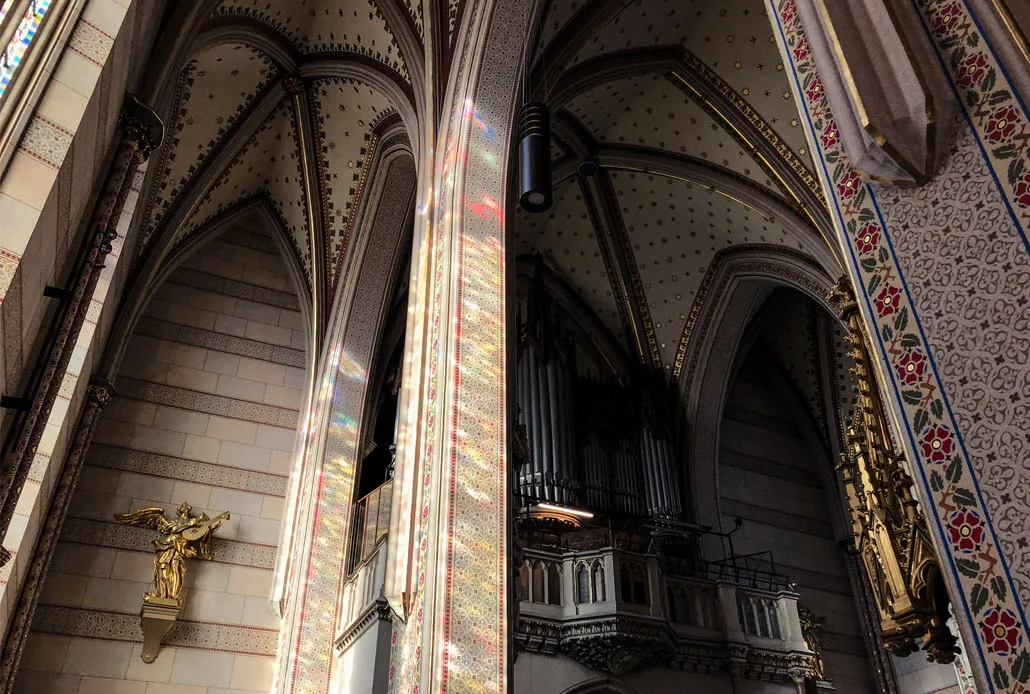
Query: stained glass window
{"x": 27, "y": 29}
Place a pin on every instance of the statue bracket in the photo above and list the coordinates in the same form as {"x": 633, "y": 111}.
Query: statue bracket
{"x": 157, "y": 617}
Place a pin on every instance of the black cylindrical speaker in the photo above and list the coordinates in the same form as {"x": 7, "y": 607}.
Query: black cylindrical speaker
{"x": 535, "y": 158}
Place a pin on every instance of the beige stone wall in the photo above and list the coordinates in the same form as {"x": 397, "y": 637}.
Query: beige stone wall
{"x": 209, "y": 393}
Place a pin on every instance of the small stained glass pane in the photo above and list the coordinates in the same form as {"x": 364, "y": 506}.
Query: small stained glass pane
{"x": 27, "y": 30}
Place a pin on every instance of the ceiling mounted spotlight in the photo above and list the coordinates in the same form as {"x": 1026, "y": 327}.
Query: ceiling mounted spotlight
{"x": 587, "y": 168}
{"x": 535, "y": 158}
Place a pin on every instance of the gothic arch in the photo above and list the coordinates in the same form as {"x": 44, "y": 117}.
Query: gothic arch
{"x": 326, "y": 475}
{"x": 142, "y": 286}
{"x": 739, "y": 281}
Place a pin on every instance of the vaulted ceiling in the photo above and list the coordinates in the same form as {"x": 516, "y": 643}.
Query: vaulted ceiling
{"x": 684, "y": 106}
{"x": 283, "y": 102}
{"x": 684, "y": 111}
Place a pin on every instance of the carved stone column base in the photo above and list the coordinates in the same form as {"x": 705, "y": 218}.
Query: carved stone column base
{"x": 157, "y": 617}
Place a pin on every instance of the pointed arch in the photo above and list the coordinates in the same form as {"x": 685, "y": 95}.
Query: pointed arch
{"x": 738, "y": 281}
{"x": 142, "y": 286}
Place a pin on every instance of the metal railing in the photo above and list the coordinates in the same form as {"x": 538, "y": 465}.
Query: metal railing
{"x": 370, "y": 523}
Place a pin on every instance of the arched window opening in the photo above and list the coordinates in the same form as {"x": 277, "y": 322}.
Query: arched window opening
{"x": 553, "y": 584}
{"x": 625, "y": 582}
{"x": 639, "y": 585}
{"x": 524, "y": 581}
{"x": 582, "y": 585}
{"x": 598, "y": 582}
{"x": 538, "y": 594}
{"x": 20, "y": 21}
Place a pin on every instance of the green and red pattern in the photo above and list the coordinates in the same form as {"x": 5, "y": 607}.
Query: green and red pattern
{"x": 988, "y": 593}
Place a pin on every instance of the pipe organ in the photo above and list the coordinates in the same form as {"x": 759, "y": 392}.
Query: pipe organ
{"x": 590, "y": 440}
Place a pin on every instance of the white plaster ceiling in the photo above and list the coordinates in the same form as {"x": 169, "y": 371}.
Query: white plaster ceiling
{"x": 565, "y": 239}
{"x": 733, "y": 37}
{"x": 344, "y": 114}
{"x": 325, "y": 25}
{"x": 651, "y": 111}
{"x": 215, "y": 88}
{"x": 270, "y": 166}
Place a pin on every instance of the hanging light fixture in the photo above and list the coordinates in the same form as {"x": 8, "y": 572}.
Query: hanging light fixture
{"x": 535, "y": 158}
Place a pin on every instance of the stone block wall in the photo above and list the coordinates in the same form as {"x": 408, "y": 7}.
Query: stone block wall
{"x": 206, "y": 412}
{"x": 768, "y": 477}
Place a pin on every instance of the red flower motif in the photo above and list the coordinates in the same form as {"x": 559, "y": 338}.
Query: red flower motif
{"x": 801, "y": 50}
{"x": 946, "y": 18}
{"x": 999, "y": 630}
{"x": 1001, "y": 124}
{"x": 966, "y": 531}
{"x": 815, "y": 90}
{"x": 972, "y": 69}
{"x": 887, "y": 300}
{"x": 788, "y": 11}
{"x": 1023, "y": 190}
{"x": 831, "y": 135}
{"x": 937, "y": 444}
{"x": 911, "y": 366}
{"x": 849, "y": 185}
{"x": 867, "y": 239}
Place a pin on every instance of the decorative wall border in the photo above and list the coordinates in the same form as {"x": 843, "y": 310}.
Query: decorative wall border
{"x": 207, "y": 403}
{"x": 119, "y": 626}
{"x": 209, "y": 339}
{"x": 109, "y": 534}
{"x": 198, "y": 279}
{"x": 987, "y": 598}
{"x": 213, "y": 474}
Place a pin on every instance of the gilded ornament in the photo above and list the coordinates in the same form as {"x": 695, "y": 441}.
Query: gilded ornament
{"x": 891, "y": 534}
{"x": 185, "y": 536}
{"x": 812, "y": 632}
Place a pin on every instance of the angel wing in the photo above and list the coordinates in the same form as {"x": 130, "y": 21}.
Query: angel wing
{"x": 153, "y": 518}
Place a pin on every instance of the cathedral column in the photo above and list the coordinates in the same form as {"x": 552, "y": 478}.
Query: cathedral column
{"x": 940, "y": 266}
{"x": 141, "y": 133}
{"x": 98, "y": 395}
{"x": 448, "y": 578}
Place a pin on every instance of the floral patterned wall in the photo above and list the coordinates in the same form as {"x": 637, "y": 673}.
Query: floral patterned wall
{"x": 943, "y": 271}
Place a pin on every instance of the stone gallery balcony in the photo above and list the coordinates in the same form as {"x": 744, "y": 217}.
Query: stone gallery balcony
{"x": 615, "y": 610}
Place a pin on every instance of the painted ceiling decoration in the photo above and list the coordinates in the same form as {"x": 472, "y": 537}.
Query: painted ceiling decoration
{"x": 270, "y": 167}
{"x": 205, "y": 110}
{"x": 345, "y": 113}
{"x": 280, "y": 103}
{"x": 317, "y": 26}
{"x": 415, "y": 11}
{"x": 684, "y": 115}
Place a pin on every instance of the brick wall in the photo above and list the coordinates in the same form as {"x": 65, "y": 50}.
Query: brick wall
{"x": 207, "y": 412}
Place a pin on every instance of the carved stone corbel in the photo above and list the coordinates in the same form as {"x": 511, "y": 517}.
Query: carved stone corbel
{"x": 890, "y": 97}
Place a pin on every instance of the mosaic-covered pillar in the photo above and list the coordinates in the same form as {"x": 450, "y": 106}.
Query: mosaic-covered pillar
{"x": 448, "y": 577}
{"x": 941, "y": 271}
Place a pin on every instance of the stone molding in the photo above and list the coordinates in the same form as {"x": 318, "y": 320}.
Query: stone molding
{"x": 121, "y": 626}
{"x": 207, "y": 403}
{"x": 378, "y": 611}
{"x": 171, "y": 467}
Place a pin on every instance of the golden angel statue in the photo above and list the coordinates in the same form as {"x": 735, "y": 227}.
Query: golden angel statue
{"x": 185, "y": 536}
